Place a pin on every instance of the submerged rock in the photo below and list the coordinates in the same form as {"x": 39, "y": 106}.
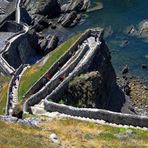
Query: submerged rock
{"x": 144, "y": 66}
{"x": 125, "y": 70}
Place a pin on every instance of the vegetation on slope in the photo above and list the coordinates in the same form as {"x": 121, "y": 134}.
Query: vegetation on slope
{"x": 36, "y": 71}
{"x": 74, "y": 134}
{"x": 3, "y": 93}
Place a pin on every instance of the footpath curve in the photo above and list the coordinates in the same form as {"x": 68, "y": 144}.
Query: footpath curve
{"x": 3, "y": 63}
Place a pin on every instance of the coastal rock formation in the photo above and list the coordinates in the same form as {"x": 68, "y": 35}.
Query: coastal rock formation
{"x": 69, "y": 19}
{"x": 71, "y": 12}
{"x": 41, "y": 44}
{"x": 85, "y": 90}
{"x": 75, "y": 5}
{"x": 45, "y": 13}
{"x": 97, "y": 88}
{"x": 51, "y": 8}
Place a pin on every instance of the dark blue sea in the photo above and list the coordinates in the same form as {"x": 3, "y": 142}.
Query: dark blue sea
{"x": 115, "y": 17}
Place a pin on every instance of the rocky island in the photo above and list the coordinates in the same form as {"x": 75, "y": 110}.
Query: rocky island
{"x": 47, "y": 77}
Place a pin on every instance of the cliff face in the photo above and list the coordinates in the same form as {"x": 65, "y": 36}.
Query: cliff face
{"x": 97, "y": 88}
{"x": 20, "y": 52}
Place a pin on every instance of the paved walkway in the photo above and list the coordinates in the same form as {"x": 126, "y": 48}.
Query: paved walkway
{"x": 4, "y": 36}
{"x": 14, "y": 93}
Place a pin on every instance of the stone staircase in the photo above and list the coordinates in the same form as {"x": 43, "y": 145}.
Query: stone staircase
{"x": 38, "y": 109}
{"x": 14, "y": 101}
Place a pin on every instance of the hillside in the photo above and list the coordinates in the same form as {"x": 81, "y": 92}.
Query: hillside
{"x": 74, "y": 134}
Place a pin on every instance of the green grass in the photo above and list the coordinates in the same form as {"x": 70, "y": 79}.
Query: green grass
{"x": 3, "y": 93}
{"x": 32, "y": 74}
{"x": 13, "y": 135}
{"x": 71, "y": 133}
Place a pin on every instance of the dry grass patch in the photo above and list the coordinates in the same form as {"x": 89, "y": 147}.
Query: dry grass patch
{"x": 3, "y": 93}
{"x": 71, "y": 133}
{"x": 75, "y": 133}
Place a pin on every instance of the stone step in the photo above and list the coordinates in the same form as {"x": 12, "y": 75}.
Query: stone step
{"x": 39, "y": 111}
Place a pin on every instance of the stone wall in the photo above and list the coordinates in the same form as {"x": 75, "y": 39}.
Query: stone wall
{"x": 82, "y": 67}
{"x": 54, "y": 82}
{"x": 40, "y": 83}
{"x": 108, "y": 116}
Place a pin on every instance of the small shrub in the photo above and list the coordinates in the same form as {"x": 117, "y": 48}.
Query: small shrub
{"x": 18, "y": 111}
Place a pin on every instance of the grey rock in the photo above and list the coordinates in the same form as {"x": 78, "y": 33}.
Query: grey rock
{"x": 75, "y": 5}
{"x": 53, "y": 137}
{"x": 52, "y": 44}
{"x": 69, "y": 19}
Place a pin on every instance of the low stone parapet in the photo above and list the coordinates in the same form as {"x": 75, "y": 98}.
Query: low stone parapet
{"x": 108, "y": 116}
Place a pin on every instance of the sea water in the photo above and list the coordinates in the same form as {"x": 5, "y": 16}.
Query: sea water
{"x": 115, "y": 16}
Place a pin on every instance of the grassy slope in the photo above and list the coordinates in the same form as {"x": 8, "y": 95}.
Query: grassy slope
{"x": 3, "y": 93}
{"x": 71, "y": 133}
{"x": 36, "y": 71}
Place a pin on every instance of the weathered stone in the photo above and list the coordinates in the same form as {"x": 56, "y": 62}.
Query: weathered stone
{"x": 69, "y": 18}
{"x": 75, "y": 5}
{"x": 52, "y": 44}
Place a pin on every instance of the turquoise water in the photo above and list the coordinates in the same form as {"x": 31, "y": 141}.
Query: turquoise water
{"x": 115, "y": 17}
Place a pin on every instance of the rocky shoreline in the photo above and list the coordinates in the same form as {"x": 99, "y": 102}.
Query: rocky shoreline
{"x": 137, "y": 91}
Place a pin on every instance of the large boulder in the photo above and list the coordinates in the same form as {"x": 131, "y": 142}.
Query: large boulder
{"x": 52, "y": 44}
{"x": 69, "y": 19}
{"x": 51, "y": 8}
{"x": 75, "y": 5}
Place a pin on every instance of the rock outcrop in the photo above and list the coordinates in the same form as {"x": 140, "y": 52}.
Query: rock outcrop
{"x": 98, "y": 87}
{"x": 75, "y": 5}
{"x": 47, "y": 13}
{"x": 51, "y": 8}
